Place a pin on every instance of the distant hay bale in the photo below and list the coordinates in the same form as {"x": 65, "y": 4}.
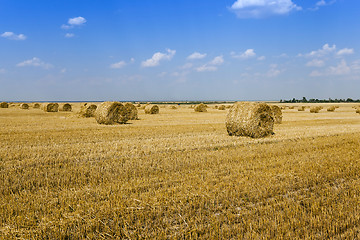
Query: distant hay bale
{"x": 36, "y": 105}
{"x": 138, "y": 105}
{"x": 315, "y": 109}
{"x": 200, "y": 108}
{"x": 221, "y": 107}
{"x": 228, "y": 106}
{"x": 331, "y": 109}
{"x": 301, "y": 108}
{"x": 291, "y": 107}
{"x": 87, "y": 110}
{"x": 65, "y": 107}
{"x": 250, "y": 119}
{"x": 216, "y": 107}
{"x": 173, "y": 107}
{"x": 4, "y": 105}
{"x": 358, "y": 110}
{"x": 111, "y": 113}
{"x": 277, "y": 114}
{"x": 132, "y": 110}
{"x": 151, "y": 109}
{"x": 24, "y": 106}
{"x": 50, "y": 107}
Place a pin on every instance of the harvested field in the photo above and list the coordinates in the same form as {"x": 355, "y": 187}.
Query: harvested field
{"x": 179, "y": 175}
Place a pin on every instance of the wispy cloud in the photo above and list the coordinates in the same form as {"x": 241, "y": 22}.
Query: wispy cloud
{"x": 74, "y": 22}
{"x": 274, "y": 71}
{"x": 13, "y": 36}
{"x": 157, "y": 57}
{"x": 341, "y": 68}
{"x": 321, "y": 3}
{"x": 315, "y": 63}
{"x": 345, "y": 51}
{"x": 196, "y": 55}
{"x": 118, "y": 65}
{"x": 69, "y": 35}
{"x": 212, "y": 65}
{"x": 2, "y": 70}
{"x": 326, "y": 49}
{"x": 249, "y": 53}
{"x": 262, "y": 8}
{"x": 35, "y": 62}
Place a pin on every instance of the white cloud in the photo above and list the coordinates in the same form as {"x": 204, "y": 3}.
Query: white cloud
{"x": 212, "y": 65}
{"x": 73, "y": 22}
{"x": 261, "y": 58}
{"x": 273, "y": 71}
{"x": 35, "y": 62}
{"x": 345, "y": 51}
{"x": 249, "y": 53}
{"x": 13, "y": 36}
{"x": 341, "y": 69}
{"x": 157, "y": 57}
{"x": 196, "y": 55}
{"x": 63, "y": 70}
{"x": 326, "y": 49}
{"x": 321, "y": 3}
{"x": 262, "y": 8}
{"x": 2, "y": 70}
{"x": 69, "y": 35}
{"x": 187, "y": 66}
{"x": 315, "y": 63}
{"x": 118, "y": 65}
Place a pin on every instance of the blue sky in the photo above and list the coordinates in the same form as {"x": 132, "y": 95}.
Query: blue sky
{"x": 179, "y": 50}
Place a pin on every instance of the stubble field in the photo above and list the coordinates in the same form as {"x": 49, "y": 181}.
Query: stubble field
{"x": 178, "y": 175}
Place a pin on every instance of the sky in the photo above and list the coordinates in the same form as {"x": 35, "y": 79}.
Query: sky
{"x": 178, "y": 50}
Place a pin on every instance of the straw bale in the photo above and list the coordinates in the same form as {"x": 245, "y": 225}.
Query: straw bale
{"x": 50, "y": 107}
{"x": 173, "y": 107}
{"x": 301, "y": 108}
{"x": 315, "y": 109}
{"x": 277, "y": 114}
{"x": 151, "y": 109}
{"x": 291, "y": 107}
{"x": 36, "y": 105}
{"x": 250, "y": 119}
{"x": 200, "y": 108}
{"x": 87, "y": 110}
{"x": 111, "y": 113}
{"x": 358, "y": 110}
{"x": 65, "y": 107}
{"x": 24, "y": 106}
{"x": 331, "y": 109}
{"x": 221, "y": 107}
{"x": 133, "y": 112}
{"x": 4, "y": 105}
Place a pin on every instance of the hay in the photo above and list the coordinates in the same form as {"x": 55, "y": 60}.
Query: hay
{"x": 301, "y": 108}
{"x": 36, "y": 105}
{"x": 277, "y": 114}
{"x": 173, "y": 107}
{"x": 221, "y": 107}
{"x": 315, "y": 109}
{"x": 4, "y": 105}
{"x": 358, "y": 110}
{"x": 24, "y": 106}
{"x": 200, "y": 108}
{"x": 65, "y": 107}
{"x": 331, "y": 109}
{"x": 291, "y": 107}
{"x": 250, "y": 119}
{"x": 111, "y": 113}
{"x": 50, "y": 107}
{"x": 87, "y": 110}
{"x": 132, "y": 110}
{"x": 151, "y": 109}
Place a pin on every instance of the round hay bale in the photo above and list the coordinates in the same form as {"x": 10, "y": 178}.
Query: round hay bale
{"x": 24, "y": 106}
{"x": 301, "y": 108}
{"x": 200, "y": 108}
{"x": 250, "y": 119}
{"x": 50, "y": 107}
{"x": 221, "y": 107}
{"x": 36, "y": 105}
{"x": 291, "y": 107}
{"x": 277, "y": 114}
{"x": 133, "y": 112}
{"x": 315, "y": 109}
{"x": 331, "y": 109}
{"x": 4, "y": 105}
{"x": 138, "y": 105}
{"x": 173, "y": 107}
{"x": 87, "y": 110}
{"x": 358, "y": 110}
{"x": 65, "y": 107}
{"x": 151, "y": 109}
{"x": 111, "y": 113}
